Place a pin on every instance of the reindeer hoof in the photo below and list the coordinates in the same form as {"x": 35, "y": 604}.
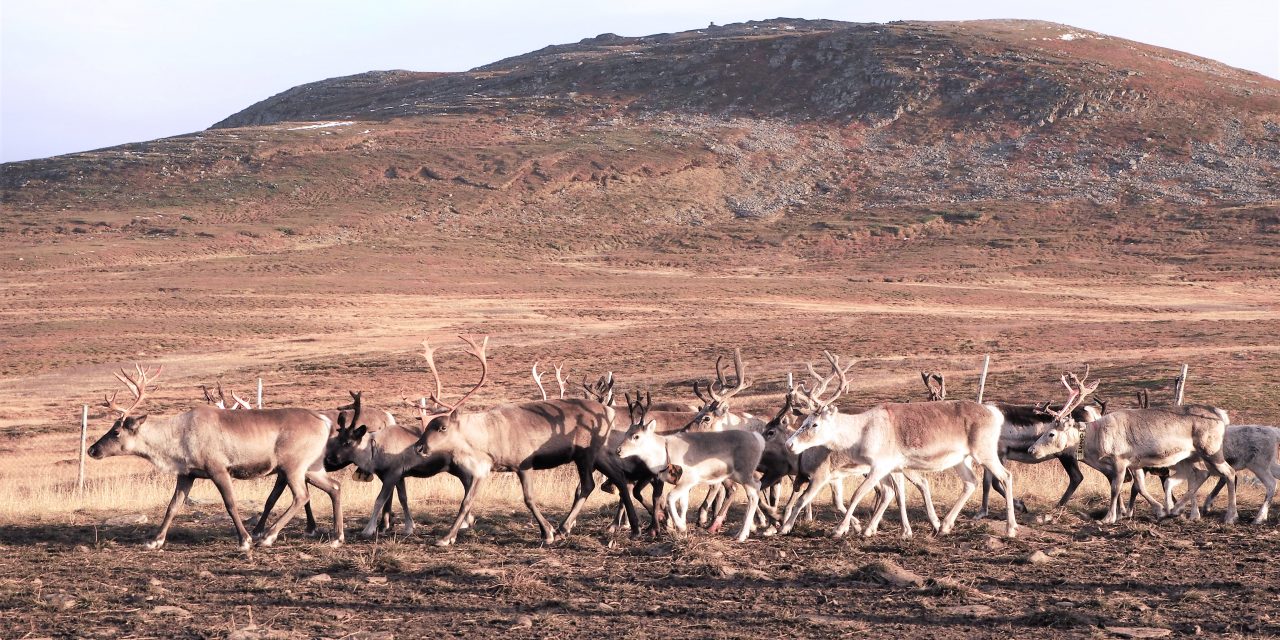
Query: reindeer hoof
{"x": 152, "y": 545}
{"x": 444, "y": 542}
{"x": 266, "y": 541}
{"x": 1229, "y": 519}
{"x": 245, "y": 545}
{"x": 334, "y": 544}
{"x": 1011, "y": 532}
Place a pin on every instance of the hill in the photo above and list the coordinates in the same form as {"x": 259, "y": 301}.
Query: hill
{"x": 916, "y": 192}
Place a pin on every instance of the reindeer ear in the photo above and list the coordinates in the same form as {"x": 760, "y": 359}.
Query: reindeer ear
{"x": 133, "y": 423}
{"x": 359, "y": 432}
{"x": 651, "y": 426}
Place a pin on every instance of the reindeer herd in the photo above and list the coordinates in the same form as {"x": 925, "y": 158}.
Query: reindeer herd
{"x": 674, "y": 448}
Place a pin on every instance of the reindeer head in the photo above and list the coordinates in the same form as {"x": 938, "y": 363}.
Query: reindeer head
{"x": 642, "y": 439}
{"x": 715, "y": 405}
{"x": 815, "y": 429}
{"x": 349, "y": 440}
{"x": 780, "y": 427}
{"x": 1066, "y": 431}
{"x": 439, "y": 424}
{"x": 121, "y": 439}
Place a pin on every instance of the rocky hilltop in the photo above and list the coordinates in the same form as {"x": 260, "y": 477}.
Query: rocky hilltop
{"x": 767, "y": 120}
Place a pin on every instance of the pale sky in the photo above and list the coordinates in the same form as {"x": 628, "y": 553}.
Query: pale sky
{"x": 80, "y": 75}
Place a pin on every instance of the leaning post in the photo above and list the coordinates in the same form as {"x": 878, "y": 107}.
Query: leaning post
{"x": 84, "y": 437}
{"x": 982, "y": 382}
{"x": 259, "y": 393}
{"x": 1180, "y": 385}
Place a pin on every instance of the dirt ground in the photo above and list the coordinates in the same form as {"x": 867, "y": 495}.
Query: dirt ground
{"x": 303, "y": 272}
{"x": 1095, "y": 581}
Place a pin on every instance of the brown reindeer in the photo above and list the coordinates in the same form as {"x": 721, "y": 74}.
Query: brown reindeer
{"x": 207, "y": 442}
{"x": 518, "y": 438}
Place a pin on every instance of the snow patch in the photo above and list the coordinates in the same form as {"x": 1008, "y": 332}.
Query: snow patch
{"x": 322, "y": 125}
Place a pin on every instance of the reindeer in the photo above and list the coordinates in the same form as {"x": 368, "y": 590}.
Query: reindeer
{"x": 388, "y": 454}
{"x": 374, "y": 421}
{"x": 633, "y": 469}
{"x": 206, "y": 442}
{"x": 812, "y": 469}
{"x": 1244, "y": 446}
{"x": 923, "y": 436}
{"x": 702, "y": 458}
{"x": 518, "y": 438}
{"x": 1127, "y": 440}
{"x": 819, "y": 466}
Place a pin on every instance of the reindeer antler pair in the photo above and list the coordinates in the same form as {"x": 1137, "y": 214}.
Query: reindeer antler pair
{"x": 221, "y": 400}
{"x": 814, "y": 397}
{"x": 937, "y": 392}
{"x": 725, "y": 392}
{"x": 537, "y": 378}
{"x": 477, "y": 351}
{"x": 137, "y": 386}
{"x": 640, "y": 408}
{"x": 1075, "y": 395}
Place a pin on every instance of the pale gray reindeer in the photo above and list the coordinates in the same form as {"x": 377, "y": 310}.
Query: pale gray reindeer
{"x": 518, "y": 438}
{"x": 1245, "y": 446}
{"x": 820, "y": 466}
{"x": 1128, "y": 440}
{"x": 702, "y": 458}
{"x": 207, "y": 442}
{"x": 920, "y": 436}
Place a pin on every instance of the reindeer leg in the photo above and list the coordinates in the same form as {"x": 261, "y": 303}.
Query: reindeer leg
{"x": 1117, "y": 481}
{"x": 1140, "y": 483}
{"x": 753, "y": 500}
{"x": 885, "y": 496}
{"x": 471, "y": 486}
{"x": 380, "y": 504}
{"x": 331, "y": 486}
{"x": 403, "y": 492}
{"x": 970, "y": 480}
{"x": 1268, "y": 479}
{"x": 816, "y": 484}
{"x": 723, "y": 511}
{"x": 301, "y": 495}
{"x": 587, "y": 484}
{"x": 987, "y": 482}
{"x": 873, "y": 478}
{"x": 548, "y": 532}
{"x": 926, "y": 495}
{"x": 1213, "y": 494}
{"x": 1074, "y": 477}
{"x": 175, "y": 504}
{"x": 276, "y": 491}
{"x": 222, "y": 480}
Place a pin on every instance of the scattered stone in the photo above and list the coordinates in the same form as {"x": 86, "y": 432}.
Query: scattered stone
{"x": 205, "y": 574}
{"x": 155, "y": 582}
{"x": 522, "y": 622}
{"x": 59, "y": 601}
{"x": 120, "y": 521}
{"x": 81, "y": 549}
{"x": 604, "y": 607}
{"x": 886, "y": 572}
{"x": 968, "y": 610}
{"x": 1182, "y": 544}
{"x": 1140, "y": 632}
{"x": 369, "y": 635}
{"x": 1037, "y": 557}
{"x": 319, "y": 577}
{"x": 170, "y": 610}
{"x": 376, "y": 579}
{"x": 755, "y": 574}
{"x": 486, "y": 572}
{"x": 254, "y": 632}
{"x": 992, "y": 543}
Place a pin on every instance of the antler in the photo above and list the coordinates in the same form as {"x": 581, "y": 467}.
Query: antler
{"x": 137, "y": 386}
{"x": 823, "y": 382}
{"x": 219, "y": 402}
{"x": 537, "y": 379}
{"x": 1076, "y": 395}
{"x": 936, "y": 393}
{"x": 560, "y": 378}
{"x": 743, "y": 383}
{"x": 477, "y": 351}
{"x": 638, "y": 409}
{"x": 239, "y": 402}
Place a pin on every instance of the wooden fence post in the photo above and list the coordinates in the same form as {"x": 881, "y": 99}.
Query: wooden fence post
{"x": 1180, "y": 385}
{"x": 982, "y": 382}
{"x": 259, "y": 393}
{"x": 84, "y": 437}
